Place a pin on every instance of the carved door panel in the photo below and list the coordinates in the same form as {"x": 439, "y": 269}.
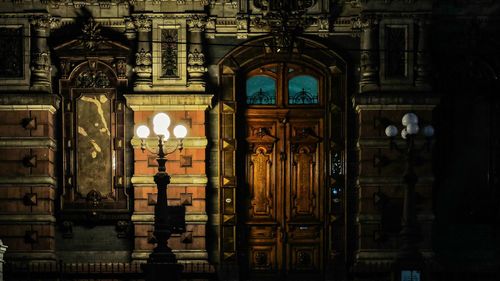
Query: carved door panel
{"x": 283, "y": 204}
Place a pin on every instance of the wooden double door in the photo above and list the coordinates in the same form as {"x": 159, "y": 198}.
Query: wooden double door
{"x": 281, "y": 216}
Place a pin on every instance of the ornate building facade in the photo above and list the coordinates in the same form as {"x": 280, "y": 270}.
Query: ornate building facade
{"x": 286, "y": 170}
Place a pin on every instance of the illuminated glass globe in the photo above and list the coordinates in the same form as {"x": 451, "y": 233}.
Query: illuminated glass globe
{"x": 142, "y": 131}
{"x": 180, "y": 131}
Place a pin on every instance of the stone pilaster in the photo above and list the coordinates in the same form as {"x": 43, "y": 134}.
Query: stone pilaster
{"x": 422, "y": 73}
{"x": 143, "y": 58}
{"x": 380, "y": 184}
{"x": 369, "y": 66}
{"x": 40, "y": 54}
{"x": 196, "y": 59}
{"x": 187, "y": 169}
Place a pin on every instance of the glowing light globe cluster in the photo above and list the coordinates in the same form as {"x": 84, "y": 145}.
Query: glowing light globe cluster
{"x": 410, "y": 123}
{"x": 161, "y": 122}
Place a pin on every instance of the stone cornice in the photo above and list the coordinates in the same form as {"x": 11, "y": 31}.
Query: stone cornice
{"x": 389, "y": 101}
{"x": 170, "y": 102}
{"x": 29, "y": 101}
{"x": 29, "y": 180}
{"x": 27, "y": 142}
{"x": 147, "y": 180}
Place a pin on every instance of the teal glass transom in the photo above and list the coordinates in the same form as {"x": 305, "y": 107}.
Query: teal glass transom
{"x": 261, "y": 90}
{"x": 303, "y": 89}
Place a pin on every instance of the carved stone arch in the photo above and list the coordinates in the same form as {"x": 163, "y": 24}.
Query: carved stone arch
{"x": 93, "y": 73}
{"x": 93, "y": 76}
{"x": 232, "y": 70}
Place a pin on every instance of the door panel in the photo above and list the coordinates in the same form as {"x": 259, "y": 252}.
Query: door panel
{"x": 284, "y": 179}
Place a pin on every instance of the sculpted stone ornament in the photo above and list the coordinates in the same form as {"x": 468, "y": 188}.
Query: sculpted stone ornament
{"x": 196, "y": 68}
{"x": 196, "y": 23}
{"x": 143, "y": 65}
{"x": 91, "y": 37}
{"x": 143, "y": 23}
{"x": 40, "y": 68}
{"x": 44, "y": 22}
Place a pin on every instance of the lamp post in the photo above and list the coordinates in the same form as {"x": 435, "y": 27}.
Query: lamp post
{"x": 408, "y": 263}
{"x": 162, "y": 261}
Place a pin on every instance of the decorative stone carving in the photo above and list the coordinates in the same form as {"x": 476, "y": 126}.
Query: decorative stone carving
{"x": 65, "y": 67}
{"x": 196, "y": 23}
{"x": 121, "y": 68}
{"x": 196, "y": 68}
{"x": 40, "y": 68}
{"x": 94, "y": 198}
{"x": 242, "y": 27}
{"x": 44, "y": 22}
{"x": 90, "y": 79}
{"x": 169, "y": 52}
{"x": 323, "y": 26}
{"x": 143, "y": 65}
{"x": 91, "y": 35}
{"x": 143, "y": 23}
{"x": 356, "y": 26}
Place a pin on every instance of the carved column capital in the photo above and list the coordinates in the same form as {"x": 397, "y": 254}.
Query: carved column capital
{"x": 44, "y": 23}
{"x": 142, "y": 23}
{"x": 196, "y": 23}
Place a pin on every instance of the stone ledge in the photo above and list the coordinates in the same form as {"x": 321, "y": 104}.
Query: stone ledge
{"x": 30, "y": 101}
{"x": 189, "y": 217}
{"x": 148, "y": 180}
{"x": 180, "y": 254}
{"x": 26, "y": 218}
{"x": 395, "y": 101}
{"x": 168, "y": 102}
{"x": 27, "y": 142}
{"x": 29, "y": 180}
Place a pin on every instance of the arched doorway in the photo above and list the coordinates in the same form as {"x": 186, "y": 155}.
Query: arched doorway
{"x": 281, "y": 159}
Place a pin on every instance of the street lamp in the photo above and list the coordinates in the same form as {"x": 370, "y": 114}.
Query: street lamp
{"x": 408, "y": 263}
{"x": 162, "y": 260}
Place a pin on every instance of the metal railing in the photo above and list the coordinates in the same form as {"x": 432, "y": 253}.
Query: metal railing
{"x": 61, "y": 271}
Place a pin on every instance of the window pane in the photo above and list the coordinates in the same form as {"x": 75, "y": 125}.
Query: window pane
{"x": 303, "y": 89}
{"x": 261, "y": 90}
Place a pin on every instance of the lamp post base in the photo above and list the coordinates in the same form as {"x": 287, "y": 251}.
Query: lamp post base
{"x": 157, "y": 271}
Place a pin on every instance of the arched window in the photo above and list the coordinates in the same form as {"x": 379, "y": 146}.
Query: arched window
{"x": 261, "y": 90}
{"x": 303, "y": 89}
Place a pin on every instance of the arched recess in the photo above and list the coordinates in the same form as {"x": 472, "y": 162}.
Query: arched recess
{"x": 255, "y": 58}
{"x": 91, "y": 84}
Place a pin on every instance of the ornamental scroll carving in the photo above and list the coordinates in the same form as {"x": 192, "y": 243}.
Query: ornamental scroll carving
{"x": 304, "y": 183}
{"x": 261, "y": 155}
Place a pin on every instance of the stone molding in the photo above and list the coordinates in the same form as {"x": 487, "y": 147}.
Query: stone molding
{"x": 27, "y": 142}
{"x": 30, "y": 180}
{"x": 27, "y": 218}
{"x": 189, "y": 217}
{"x": 173, "y": 102}
{"x": 148, "y": 180}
